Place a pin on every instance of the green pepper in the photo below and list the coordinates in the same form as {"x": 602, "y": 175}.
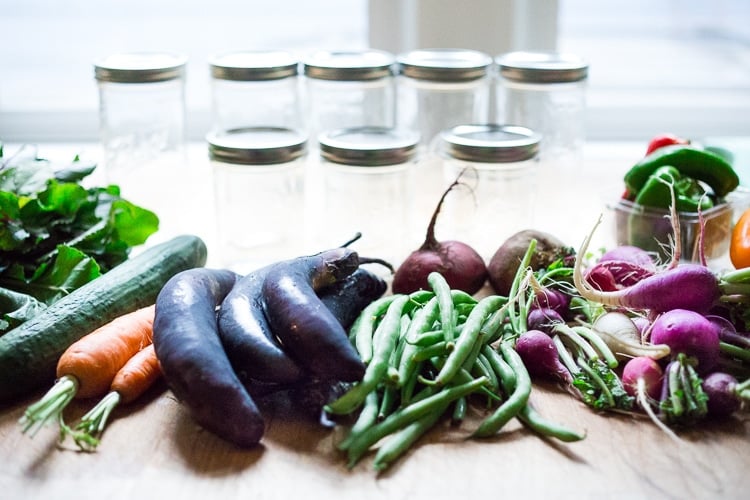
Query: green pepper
{"x": 692, "y": 162}
{"x": 689, "y": 194}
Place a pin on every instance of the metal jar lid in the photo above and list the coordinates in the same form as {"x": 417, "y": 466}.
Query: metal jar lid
{"x": 254, "y": 65}
{"x": 140, "y": 67}
{"x": 542, "y": 67}
{"x": 368, "y": 146}
{"x": 349, "y": 65}
{"x": 490, "y": 143}
{"x": 447, "y": 65}
{"x": 256, "y": 145}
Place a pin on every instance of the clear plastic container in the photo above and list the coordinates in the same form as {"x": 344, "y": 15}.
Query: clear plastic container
{"x": 442, "y": 88}
{"x": 498, "y": 168}
{"x": 142, "y": 131}
{"x": 651, "y": 229}
{"x": 366, "y": 189}
{"x": 345, "y": 89}
{"x": 258, "y": 176}
{"x": 255, "y": 89}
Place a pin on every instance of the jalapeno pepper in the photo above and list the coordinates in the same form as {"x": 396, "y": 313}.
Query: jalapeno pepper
{"x": 692, "y": 162}
{"x": 689, "y": 194}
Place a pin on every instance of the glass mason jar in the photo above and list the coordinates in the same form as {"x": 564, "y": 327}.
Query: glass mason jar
{"x": 546, "y": 92}
{"x": 255, "y": 89}
{"x": 345, "y": 89}
{"x": 498, "y": 167}
{"x": 442, "y": 88}
{"x": 366, "y": 189}
{"x": 258, "y": 175}
{"x": 142, "y": 130}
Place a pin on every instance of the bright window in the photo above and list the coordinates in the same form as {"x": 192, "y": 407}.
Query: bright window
{"x": 678, "y": 65}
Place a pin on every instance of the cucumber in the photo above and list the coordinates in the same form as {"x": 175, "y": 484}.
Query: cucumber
{"x": 29, "y": 353}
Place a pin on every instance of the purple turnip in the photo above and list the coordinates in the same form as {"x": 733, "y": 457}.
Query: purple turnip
{"x": 723, "y": 397}
{"x": 461, "y": 266}
{"x": 631, "y": 254}
{"x": 544, "y": 319}
{"x": 540, "y": 356}
{"x": 690, "y": 333}
{"x": 687, "y": 286}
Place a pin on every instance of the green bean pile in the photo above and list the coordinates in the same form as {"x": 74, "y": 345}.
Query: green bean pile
{"x": 428, "y": 355}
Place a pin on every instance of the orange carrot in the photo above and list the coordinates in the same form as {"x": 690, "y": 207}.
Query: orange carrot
{"x": 136, "y": 377}
{"x": 87, "y": 368}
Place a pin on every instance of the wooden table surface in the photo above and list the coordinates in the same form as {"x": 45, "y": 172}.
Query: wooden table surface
{"x": 152, "y": 449}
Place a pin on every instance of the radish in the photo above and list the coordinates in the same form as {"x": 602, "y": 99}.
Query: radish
{"x": 540, "y": 356}
{"x": 632, "y": 254}
{"x": 551, "y": 298}
{"x": 724, "y": 397}
{"x": 461, "y": 266}
{"x": 687, "y": 286}
{"x": 643, "y": 379}
{"x": 543, "y": 318}
{"x": 610, "y": 275}
{"x": 690, "y": 333}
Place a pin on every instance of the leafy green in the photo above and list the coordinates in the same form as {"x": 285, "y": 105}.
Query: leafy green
{"x": 57, "y": 234}
{"x": 600, "y": 387}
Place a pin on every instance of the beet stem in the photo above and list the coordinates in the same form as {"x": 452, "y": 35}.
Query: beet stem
{"x": 430, "y": 242}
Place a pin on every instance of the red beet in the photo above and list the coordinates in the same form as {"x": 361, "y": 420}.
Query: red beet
{"x": 461, "y": 266}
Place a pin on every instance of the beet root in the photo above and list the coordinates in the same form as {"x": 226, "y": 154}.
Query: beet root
{"x": 460, "y": 265}
{"x": 503, "y": 265}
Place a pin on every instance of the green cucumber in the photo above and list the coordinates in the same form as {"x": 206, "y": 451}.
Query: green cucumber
{"x": 697, "y": 163}
{"x": 29, "y": 353}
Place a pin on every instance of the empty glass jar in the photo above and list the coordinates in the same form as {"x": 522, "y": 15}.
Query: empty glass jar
{"x": 142, "y": 130}
{"x": 255, "y": 89}
{"x": 259, "y": 193}
{"x": 441, "y": 88}
{"x": 546, "y": 92}
{"x": 498, "y": 167}
{"x": 366, "y": 189}
{"x": 345, "y": 89}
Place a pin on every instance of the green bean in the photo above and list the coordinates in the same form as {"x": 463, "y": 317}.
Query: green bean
{"x": 465, "y": 344}
{"x": 438, "y": 349}
{"x": 387, "y": 402}
{"x": 427, "y": 339}
{"x": 367, "y": 417}
{"x": 461, "y": 297}
{"x": 598, "y": 343}
{"x": 397, "y": 444}
{"x": 387, "y": 334}
{"x": 505, "y": 374}
{"x": 459, "y": 410}
{"x": 361, "y": 332}
{"x": 409, "y": 384}
{"x": 408, "y": 414}
{"x": 517, "y": 399}
{"x": 423, "y": 320}
{"x": 445, "y": 302}
{"x": 482, "y": 367}
{"x": 494, "y": 323}
{"x": 533, "y": 420}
